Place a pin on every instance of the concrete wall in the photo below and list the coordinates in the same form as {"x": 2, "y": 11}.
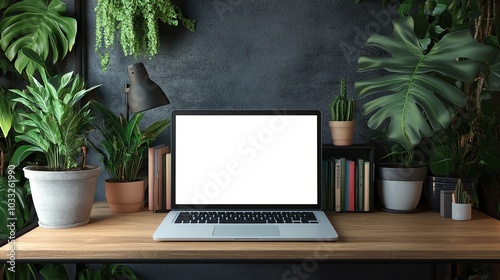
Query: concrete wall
{"x": 279, "y": 54}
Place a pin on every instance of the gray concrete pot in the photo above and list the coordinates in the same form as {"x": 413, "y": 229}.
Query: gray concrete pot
{"x": 63, "y": 199}
{"x": 399, "y": 189}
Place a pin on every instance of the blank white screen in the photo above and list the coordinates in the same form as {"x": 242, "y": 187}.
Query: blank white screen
{"x": 246, "y": 159}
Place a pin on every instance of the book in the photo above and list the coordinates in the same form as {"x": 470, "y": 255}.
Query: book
{"x": 338, "y": 186}
{"x": 340, "y": 162}
{"x": 367, "y": 178}
{"x": 331, "y": 185}
{"x": 160, "y": 179}
{"x": 350, "y": 185}
{"x": 151, "y": 174}
{"x": 168, "y": 182}
{"x": 360, "y": 177}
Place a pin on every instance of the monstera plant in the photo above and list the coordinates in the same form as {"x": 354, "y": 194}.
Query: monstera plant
{"x": 418, "y": 94}
{"x": 416, "y": 98}
{"x": 37, "y": 25}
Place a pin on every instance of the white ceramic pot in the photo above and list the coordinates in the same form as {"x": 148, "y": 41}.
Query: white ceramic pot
{"x": 399, "y": 195}
{"x": 63, "y": 199}
{"x": 399, "y": 189}
{"x": 461, "y": 212}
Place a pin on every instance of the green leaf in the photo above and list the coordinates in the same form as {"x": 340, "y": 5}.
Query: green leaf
{"x": 416, "y": 98}
{"x": 54, "y": 271}
{"x": 38, "y": 26}
{"x": 22, "y": 152}
{"x": 441, "y": 161}
{"x": 5, "y": 113}
{"x": 489, "y": 151}
{"x": 492, "y": 78}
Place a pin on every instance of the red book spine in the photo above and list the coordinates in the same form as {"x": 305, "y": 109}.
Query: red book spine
{"x": 352, "y": 186}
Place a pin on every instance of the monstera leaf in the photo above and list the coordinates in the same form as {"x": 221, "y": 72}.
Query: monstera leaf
{"x": 39, "y": 26}
{"x": 417, "y": 96}
{"x": 493, "y": 75}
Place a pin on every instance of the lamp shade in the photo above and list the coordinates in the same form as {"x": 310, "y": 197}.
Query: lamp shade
{"x": 143, "y": 94}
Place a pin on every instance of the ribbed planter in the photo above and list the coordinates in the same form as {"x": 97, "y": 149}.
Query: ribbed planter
{"x": 125, "y": 197}
{"x": 461, "y": 212}
{"x": 342, "y": 132}
{"x": 434, "y": 185}
{"x": 62, "y": 199}
{"x": 399, "y": 189}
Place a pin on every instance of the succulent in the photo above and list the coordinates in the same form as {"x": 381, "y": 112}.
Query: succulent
{"x": 460, "y": 195}
{"x": 342, "y": 108}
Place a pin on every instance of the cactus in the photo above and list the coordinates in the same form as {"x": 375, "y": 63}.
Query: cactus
{"x": 342, "y": 108}
{"x": 460, "y": 195}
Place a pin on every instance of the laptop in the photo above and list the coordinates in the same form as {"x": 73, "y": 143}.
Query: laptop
{"x": 250, "y": 175}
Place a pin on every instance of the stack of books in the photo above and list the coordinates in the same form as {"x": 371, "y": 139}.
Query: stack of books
{"x": 159, "y": 179}
{"x": 346, "y": 185}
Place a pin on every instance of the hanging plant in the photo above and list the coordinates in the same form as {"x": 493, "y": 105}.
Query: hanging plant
{"x": 137, "y": 24}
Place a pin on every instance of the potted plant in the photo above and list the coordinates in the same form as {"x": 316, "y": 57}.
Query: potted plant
{"x": 137, "y": 26}
{"x": 416, "y": 98}
{"x": 342, "y": 124}
{"x": 122, "y": 152}
{"x": 461, "y": 206}
{"x": 453, "y": 155}
{"x": 52, "y": 122}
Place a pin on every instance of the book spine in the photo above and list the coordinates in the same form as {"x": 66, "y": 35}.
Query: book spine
{"x": 151, "y": 177}
{"x": 168, "y": 187}
{"x": 351, "y": 185}
{"x": 338, "y": 187}
{"x": 360, "y": 185}
{"x": 367, "y": 183}
{"x": 343, "y": 192}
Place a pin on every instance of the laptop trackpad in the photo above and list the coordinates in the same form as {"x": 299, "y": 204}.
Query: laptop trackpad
{"x": 246, "y": 230}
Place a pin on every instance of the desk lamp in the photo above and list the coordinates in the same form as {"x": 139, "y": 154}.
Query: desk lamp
{"x": 141, "y": 93}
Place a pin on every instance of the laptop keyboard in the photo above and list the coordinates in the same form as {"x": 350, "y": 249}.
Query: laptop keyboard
{"x": 259, "y": 217}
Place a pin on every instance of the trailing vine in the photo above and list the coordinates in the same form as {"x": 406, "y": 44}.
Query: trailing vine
{"x": 137, "y": 23}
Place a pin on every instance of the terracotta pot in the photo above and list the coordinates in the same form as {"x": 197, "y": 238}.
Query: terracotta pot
{"x": 125, "y": 197}
{"x": 342, "y": 132}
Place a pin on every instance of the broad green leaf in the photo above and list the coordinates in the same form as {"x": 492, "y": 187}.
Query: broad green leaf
{"x": 38, "y": 26}
{"x": 441, "y": 161}
{"x": 416, "y": 98}
{"x": 489, "y": 151}
{"x": 22, "y": 152}
{"x": 54, "y": 271}
{"x": 5, "y": 113}
{"x": 493, "y": 76}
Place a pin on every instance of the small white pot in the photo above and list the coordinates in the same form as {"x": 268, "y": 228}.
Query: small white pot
{"x": 461, "y": 212}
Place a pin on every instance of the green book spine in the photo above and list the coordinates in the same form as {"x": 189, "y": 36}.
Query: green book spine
{"x": 360, "y": 175}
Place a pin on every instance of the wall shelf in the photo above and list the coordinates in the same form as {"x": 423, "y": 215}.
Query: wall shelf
{"x": 349, "y": 192}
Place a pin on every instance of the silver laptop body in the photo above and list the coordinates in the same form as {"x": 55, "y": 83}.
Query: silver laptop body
{"x": 245, "y": 162}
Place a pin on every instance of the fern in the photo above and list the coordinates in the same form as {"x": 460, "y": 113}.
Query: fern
{"x": 137, "y": 23}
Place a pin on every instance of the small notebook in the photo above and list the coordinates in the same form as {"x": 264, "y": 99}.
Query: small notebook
{"x": 245, "y": 175}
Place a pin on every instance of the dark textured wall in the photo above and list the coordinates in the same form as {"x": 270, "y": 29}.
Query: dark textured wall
{"x": 274, "y": 54}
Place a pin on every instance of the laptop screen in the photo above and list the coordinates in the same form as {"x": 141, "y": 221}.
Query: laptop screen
{"x": 241, "y": 159}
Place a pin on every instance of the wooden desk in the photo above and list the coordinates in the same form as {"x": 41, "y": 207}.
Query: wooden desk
{"x": 362, "y": 236}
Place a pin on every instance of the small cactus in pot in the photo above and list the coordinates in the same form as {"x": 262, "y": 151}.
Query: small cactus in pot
{"x": 342, "y": 109}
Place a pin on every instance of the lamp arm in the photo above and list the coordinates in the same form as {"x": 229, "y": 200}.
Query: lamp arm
{"x": 126, "y": 90}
